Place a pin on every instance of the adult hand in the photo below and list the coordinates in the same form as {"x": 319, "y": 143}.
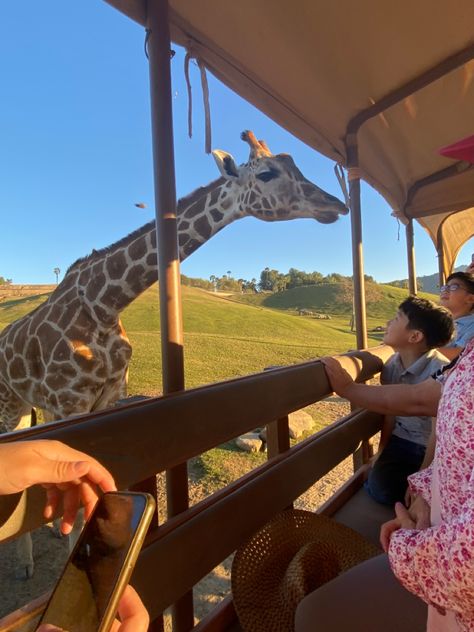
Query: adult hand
{"x": 132, "y": 613}
{"x": 402, "y": 520}
{"x": 64, "y": 473}
{"x": 339, "y": 378}
{"x": 420, "y": 512}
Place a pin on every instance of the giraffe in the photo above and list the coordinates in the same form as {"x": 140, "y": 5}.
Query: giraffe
{"x": 70, "y": 355}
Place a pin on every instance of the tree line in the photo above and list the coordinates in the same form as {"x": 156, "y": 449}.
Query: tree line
{"x": 270, "y": 280}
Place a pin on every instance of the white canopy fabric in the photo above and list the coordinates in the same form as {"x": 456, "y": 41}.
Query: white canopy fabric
{"x": 313, "y": 65}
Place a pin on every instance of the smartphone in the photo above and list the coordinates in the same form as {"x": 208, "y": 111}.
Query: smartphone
{"x": 87, "y": 594}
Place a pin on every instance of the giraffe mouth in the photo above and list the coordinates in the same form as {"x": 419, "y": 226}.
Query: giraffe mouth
{"x": 329, "y": 217}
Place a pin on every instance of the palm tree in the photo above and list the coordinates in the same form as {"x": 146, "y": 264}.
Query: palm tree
{"x": 57, "y": 272}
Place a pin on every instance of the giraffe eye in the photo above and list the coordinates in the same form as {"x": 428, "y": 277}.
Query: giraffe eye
{"x": 266, "y": 176}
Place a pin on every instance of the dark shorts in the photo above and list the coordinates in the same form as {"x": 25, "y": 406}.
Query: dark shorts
{"x": 387, "y": 481}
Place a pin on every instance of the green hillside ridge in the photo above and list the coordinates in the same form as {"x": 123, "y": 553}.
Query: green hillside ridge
{"x": 333, "y": 299}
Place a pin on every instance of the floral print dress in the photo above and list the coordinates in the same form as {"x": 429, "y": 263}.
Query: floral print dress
{"x": 437, "y": 564}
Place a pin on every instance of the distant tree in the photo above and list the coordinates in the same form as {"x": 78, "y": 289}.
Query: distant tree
{"x": 250, "y": 286}
{"x": 334, "y": 277}
{"x": 4, "y": 281}
{"x": 57, "y": 272}
{"x": 272, "y": 281}
{"x": 201, "y": 283}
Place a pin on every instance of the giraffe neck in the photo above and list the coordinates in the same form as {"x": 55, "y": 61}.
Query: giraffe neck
{"x": 110, "y": 279}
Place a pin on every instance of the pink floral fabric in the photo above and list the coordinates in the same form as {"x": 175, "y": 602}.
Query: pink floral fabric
{"x": 437, "y": 564}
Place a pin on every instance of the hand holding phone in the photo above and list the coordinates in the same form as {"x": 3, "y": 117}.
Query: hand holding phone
{"x": 89, "y": 591}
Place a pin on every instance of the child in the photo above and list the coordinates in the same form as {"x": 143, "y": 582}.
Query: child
{"x": 458, "y": 296}
{"x": 417, "y": 329}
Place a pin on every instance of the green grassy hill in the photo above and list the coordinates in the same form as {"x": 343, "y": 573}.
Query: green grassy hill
{"x": 333, "y": 299}
{"x": 231, "y": 336}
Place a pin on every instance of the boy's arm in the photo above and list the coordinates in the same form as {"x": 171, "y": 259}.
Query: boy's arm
{"x": 392, "y": 399}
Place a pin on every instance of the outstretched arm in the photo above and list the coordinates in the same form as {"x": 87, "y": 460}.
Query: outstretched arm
{"x": 390, "y": 399}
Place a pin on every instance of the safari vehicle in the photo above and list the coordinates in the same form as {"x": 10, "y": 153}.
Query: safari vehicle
{"x": 378, "y": 87}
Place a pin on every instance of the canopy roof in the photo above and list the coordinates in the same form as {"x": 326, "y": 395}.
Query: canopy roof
{"x": 399, "y": 74}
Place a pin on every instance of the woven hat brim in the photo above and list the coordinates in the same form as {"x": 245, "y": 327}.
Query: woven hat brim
{"x": 287, "y": 559}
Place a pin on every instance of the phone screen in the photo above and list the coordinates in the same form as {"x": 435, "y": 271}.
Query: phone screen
{"x": 84, "y": 591}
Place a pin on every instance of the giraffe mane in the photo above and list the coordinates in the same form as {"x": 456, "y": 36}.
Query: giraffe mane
{"x": 187, "y": 200}
{"x": 199, "y": 192}
{"x": 97, "y": 254}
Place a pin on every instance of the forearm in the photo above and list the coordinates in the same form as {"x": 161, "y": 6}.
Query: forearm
{"x": 450, "y": 352}
{"x": 394, "y": 399}
{"x": 437, "y": 563}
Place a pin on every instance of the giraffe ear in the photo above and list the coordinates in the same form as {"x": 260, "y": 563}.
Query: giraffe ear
{"x": 226, "y": 164}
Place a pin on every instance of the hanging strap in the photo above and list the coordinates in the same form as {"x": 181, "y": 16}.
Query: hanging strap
{"x": 205, "y": 96}
{"x": 339, "y": 171}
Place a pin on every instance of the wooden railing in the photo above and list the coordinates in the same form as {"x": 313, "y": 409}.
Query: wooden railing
{"x": 139, "y": 440}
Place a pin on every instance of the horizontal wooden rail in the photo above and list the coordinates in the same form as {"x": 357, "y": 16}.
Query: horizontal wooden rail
{"x": 143, "y": 438}
{"x": 139, "y": 440}
{"x": 190, "y": 545}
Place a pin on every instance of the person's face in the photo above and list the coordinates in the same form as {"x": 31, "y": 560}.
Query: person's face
{"x": 456, "y": 297}
{"x": 398, "y": 334}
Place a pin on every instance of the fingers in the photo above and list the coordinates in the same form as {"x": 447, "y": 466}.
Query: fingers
{"x": 59, "y": 463}
{"x": 404, "y": 517}
{"x": 71, "y": 502}
{"x": 132, "y": 612}
{"x": 386, "y": 531}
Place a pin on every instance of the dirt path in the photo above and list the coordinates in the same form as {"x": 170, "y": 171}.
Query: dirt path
{"x": 51, "y": 553}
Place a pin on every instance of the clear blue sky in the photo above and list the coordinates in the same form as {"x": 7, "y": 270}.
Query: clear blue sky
{"x": 75, "y": 156}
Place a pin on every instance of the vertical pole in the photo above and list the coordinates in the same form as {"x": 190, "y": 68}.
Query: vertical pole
{"x": 357, "y": 252}
{"x": 411, "y": 258}
{"x": 442, "y": 275}
{"x": 159, "y": 52}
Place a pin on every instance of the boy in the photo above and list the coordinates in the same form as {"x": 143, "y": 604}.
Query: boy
{"x": 458, "y": 296}
{"x": 417, "y": 329}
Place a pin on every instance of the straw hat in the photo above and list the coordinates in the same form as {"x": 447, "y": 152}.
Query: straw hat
{"x": 287, "y": 559}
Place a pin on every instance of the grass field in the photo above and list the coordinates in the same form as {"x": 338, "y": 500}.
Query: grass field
{"x": 231, "y": 336}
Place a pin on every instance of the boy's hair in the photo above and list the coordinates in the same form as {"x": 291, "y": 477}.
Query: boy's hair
{"x": 435, "y": 322}
{"x": 466, "y": 277}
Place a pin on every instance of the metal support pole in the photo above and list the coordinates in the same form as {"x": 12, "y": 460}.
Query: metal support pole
{"x": 357, "y": 252}
{"x": 159, "y": 53}
{"x": 411, "y": 258}
{"x": 442, "y": 276}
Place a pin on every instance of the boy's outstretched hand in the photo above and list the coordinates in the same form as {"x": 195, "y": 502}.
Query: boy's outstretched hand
{"x": 339, "y": 379}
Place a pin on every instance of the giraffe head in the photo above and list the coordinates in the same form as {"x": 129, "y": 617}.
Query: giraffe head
{"x": 272, "y": 188}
